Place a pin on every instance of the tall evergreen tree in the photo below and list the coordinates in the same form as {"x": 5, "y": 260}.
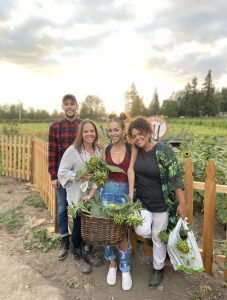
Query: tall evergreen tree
{"x": 154, "y": 107}
{"x": 179, "y": 97}
{"x": 223, "y": 105}
{"x": 195, "y": 98}
{"x": 188, "y": 100}
{"x": 208, "y": 107}
{"x": 135, "y": 102}
{"x": 169, "y": 108}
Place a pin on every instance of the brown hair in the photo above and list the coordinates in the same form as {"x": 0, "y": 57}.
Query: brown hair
{"x": 118, "y": 120}
{"x": 141, "y": 124}
{"x": 78, "y": 142}
{"x": 71, "y": 97}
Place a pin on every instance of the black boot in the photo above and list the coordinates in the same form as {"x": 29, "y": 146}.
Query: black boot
{"x": 91, "y": 256}
{"x": 157, "y": 278}
{"x": 64, "y": 249}
{"x": 80, "y": 262}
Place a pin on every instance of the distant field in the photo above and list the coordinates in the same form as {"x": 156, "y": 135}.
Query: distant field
{"x": 197, "y": 127}
{"x": 209, "y": 122}
{"x": 177, "y": 128}
{"x": 28, "y": 128}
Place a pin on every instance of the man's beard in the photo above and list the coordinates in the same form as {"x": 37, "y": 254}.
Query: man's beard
{"x": 71, "y": 116}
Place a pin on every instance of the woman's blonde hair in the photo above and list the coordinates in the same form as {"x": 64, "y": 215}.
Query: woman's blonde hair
{"x": 78, "y": 142}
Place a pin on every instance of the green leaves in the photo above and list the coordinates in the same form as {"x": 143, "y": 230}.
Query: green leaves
{"x": 99, "y": 170}
{"x": 81, "y": 172}
{"x": 12, "y": 219}
{"x": 201, "y": 150}
{"x": 39, "y": 239}
{"x": 125, "y": 214}
{"x": 114, "y": 169}
{"x": 164, "y": 236}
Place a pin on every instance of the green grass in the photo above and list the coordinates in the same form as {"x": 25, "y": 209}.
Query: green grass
{"x": 72, "y": 283}
{"x": 35, "y": 201}
{"x": 177, "y": 127}
{"x": 34, "y": 129}
{"x": 12, "y": 219}
{"x": 205, "y": 122}
{"x": 193, "y": 131}
{"x": 39, "y": 239}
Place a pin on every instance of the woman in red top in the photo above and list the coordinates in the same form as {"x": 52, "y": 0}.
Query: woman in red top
{"x": 118, "y": 153}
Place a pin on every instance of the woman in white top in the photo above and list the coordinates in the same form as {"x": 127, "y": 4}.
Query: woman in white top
{"x": 84, "y": 147}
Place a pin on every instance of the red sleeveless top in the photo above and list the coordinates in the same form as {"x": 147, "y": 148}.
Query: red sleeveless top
{"x": 119, "y": 177}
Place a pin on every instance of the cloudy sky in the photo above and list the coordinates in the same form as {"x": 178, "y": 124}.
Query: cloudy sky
{"x": 99, "y": 47}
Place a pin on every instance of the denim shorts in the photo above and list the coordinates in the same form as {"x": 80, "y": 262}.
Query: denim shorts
{"x": 114, "y": 192}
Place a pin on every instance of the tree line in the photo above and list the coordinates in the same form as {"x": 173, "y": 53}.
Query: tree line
{"x": 191, "y": 102}
{"x": 17, "y": 112}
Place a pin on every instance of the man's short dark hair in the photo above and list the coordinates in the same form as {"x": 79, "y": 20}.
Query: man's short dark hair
{"x": 69, "y": 96}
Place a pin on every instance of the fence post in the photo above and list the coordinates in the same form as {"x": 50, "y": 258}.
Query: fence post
{"x": 3, "y": 161}
{"x": 32, "y": 179}
{"x": 10, "y": 156}
{"x": 209, "y": 216}
{"x": 188, "y": 186}
{"x": 15, "y": 156}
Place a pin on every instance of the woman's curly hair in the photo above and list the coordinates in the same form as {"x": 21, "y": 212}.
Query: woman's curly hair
{"x": 141, "y": 124}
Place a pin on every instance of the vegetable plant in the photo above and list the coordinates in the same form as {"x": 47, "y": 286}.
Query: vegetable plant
{"x": 125, "y": 214}
{"x": 99, "y": 170}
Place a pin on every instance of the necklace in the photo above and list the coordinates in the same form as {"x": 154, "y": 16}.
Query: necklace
{"x": 88, "y": 154}
{"x": 118, "y": 151}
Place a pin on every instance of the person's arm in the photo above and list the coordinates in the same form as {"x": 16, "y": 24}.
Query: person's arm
{"x": 181, "y": 204}
{"x": 90, "y": 195}
{"x": 175, "y": 181}
{"x": 131, "y": 172}
{"x": 53, "y": 157}
{"x": 66, "y": 172}
{"x": 86, "y": 177}
{"x": 102, "y": 147}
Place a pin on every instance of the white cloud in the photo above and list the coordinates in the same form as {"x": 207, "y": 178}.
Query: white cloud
{"x": 100, "y": 47}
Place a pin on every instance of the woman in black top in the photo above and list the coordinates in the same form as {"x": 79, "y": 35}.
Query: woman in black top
{"x": 158, "y": 182}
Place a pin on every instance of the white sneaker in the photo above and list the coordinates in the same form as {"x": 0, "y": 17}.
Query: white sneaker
{"x": 126, "y": 281}
{"x": 111, "y": 276}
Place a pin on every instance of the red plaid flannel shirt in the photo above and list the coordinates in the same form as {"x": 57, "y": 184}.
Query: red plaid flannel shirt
{"x": 61, "y": 136}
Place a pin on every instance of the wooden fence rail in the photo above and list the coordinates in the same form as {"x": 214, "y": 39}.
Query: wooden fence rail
{"x": 41, "y": 178}
{"x": 25, "y": 159}
{"x": 15, "y": 156}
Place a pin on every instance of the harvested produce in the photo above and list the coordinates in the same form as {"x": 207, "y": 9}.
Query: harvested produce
{"x": 182, "y": 246}
{"x": 125, "y": 214}
{"x": 164, "y": 236}
{"x": 99, "y": 169}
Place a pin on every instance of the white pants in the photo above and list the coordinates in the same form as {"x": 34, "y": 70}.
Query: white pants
{"x": 151, "y": 227}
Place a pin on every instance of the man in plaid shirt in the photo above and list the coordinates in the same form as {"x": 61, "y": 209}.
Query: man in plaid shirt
{"x": 61, "y": 136}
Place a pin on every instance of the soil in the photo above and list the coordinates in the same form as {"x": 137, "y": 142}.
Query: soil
{"x": 34, "y": 274}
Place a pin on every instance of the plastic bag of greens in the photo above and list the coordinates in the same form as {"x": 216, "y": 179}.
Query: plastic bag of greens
{"x": 183, "y": 250}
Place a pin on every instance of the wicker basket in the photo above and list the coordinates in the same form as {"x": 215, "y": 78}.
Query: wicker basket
{"x": 101, "y": 231}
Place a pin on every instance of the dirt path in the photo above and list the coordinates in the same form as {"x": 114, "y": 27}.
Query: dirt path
{"x": 34, "y": 274}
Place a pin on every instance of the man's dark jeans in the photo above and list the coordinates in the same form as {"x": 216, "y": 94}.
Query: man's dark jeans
{"x": 62, "y": 211}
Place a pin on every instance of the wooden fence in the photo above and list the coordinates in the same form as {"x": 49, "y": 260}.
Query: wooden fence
{"x": 28, "y": 160}
{"x": 41, "y": 178}
{"x": 15, "y": 156}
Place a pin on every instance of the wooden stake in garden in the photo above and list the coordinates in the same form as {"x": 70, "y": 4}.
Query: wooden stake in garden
{"x": 209, "y": 216}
